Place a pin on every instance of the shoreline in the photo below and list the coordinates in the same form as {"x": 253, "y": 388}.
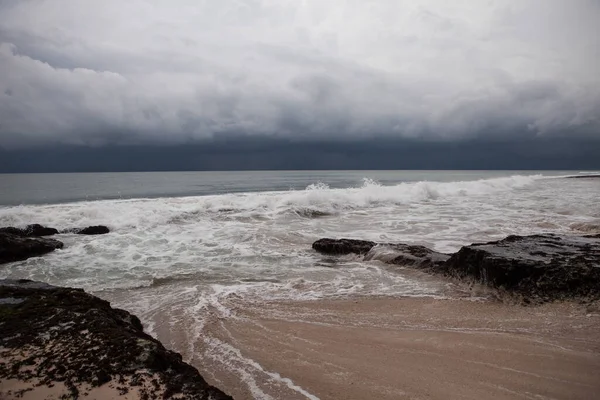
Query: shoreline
{"x": 534, "y": 337}
{"x": 377, "y": 347}
{"x": 401, "y": 348}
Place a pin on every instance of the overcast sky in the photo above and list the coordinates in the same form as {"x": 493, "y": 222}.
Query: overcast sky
{"x": 99, "y": 72}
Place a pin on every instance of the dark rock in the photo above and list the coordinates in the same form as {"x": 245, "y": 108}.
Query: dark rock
{"x": 33, "y": 230}
{"x": 416, "y": 256}
{"x": 539, "y": 268}
{"x": 36, "y": 230}
{"x": 536, "y": 268}
{"x": 311, "y": 213}
{"x": 342, "y": 246}
{"x": 16, "y": 248}
{"x": 90, "y": 230}
{"x": 52, "y": 335}
{"x": 398, "y": 254}
{"x": 39, "y": 230}
{"x": 13, "y": 231}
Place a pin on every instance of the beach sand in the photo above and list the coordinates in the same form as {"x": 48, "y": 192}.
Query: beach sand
{"x": 400, "y": 348}
{"x": 382, "y": 348}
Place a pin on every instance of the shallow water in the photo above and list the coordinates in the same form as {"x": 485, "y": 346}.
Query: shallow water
{"x": 262, "y": 238}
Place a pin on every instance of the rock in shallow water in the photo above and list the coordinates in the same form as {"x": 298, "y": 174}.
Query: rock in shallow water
{"x": 392, "y": 253}
{"x": 32, "y": 230}
{"x": 62, "y": 339}
{"x": 536, "y": 268}
{"x": 342, "y": 246}
{"x": 16, "y": 248}
{"x": 36, "y": 230}
{"x": 90, "y": 230}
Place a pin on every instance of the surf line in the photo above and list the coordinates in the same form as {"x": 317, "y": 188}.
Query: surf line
{"x": 228, "y": 348}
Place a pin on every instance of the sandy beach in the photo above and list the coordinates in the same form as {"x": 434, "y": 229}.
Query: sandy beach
{"x": 402, "y": 348}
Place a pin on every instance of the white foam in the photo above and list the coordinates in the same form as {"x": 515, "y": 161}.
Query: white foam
{"x": 232, "y": 357}
{"x": 128, "y": 214}
{"x": 267, "y": 236}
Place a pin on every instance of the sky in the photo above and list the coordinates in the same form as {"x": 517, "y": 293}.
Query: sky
{"x": 109, "y": 73}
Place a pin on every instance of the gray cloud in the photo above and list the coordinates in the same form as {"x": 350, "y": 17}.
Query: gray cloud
{"x": 113, "y": 72}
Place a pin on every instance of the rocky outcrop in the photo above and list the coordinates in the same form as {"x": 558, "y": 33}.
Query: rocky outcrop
{"x": 415, "y": 256}
{"x": 18, "y": 244}
{"x": 33, "y": 230}
{"x": 16, "y": 248}
{"x": 536, "y": 268}
{"x": 13, "y": 231}
{"x": 90, "y": 230}
{"x": 391, "y": 253}
{"x": 36, "y": 230}
{"x": 72, "y": 344}
{"x": 343, "y": 246}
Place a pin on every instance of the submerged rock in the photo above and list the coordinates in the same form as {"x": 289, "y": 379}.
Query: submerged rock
{"x": 343, "y": 246}
{"x": 72, "y": 344}
{"x": 32, "y": 230}
{"x": 16, "y": 248}
{"x": 416, "y": 256}
{"x": 90, "y": 230}
{"x": 536, "y": 268}
{"x": 391, "y": 253}
{"x": 39, "y": 230}
{"x": 36, "y": 230}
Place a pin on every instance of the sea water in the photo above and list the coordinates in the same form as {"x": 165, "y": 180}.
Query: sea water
{"x": 181, "y": 243}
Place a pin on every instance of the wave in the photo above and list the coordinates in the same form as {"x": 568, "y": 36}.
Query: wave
{"x": 580, "y": 174}
{"x": 206, "y": 277}
{"x": 311, "y": 213}
{"x": 316, "y": 201}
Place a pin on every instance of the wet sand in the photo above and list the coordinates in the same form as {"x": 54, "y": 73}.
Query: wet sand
{"x": 398, "y": 348}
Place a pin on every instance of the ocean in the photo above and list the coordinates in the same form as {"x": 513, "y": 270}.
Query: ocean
{"x": 184, "y": 244}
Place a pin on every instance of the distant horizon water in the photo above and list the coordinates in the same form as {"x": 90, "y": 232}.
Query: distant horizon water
{"x": 64, "y": 187}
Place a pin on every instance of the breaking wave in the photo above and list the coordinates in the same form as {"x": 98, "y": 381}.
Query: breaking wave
{"x": 316, "y": 201}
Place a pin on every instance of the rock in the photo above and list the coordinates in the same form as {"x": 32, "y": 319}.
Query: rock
{"x": 536, "y": 268}
{"x": 16, "y": 248}
{"x": 69, "y": 343}
{"x": 32, "y": 230}
{"x": 539, "y": 268}
{"x": 39, "y": 230}
{"x": 342, "y": 246}
{"x": 398, "y": 253}
{"x": 90, "y": 230}
{"x": 35, "y": 230}
{"x": 416, "y": 256}
{"x": 13, "y": 231}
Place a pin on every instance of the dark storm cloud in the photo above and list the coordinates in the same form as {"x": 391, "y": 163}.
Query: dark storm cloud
{"x": 151, "y": 71}
{"x": 232, "y": 152}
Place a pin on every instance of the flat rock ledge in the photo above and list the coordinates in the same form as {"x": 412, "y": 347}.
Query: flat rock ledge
{"x": 63, "y": 343}
{"x": 535, "y": 269}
